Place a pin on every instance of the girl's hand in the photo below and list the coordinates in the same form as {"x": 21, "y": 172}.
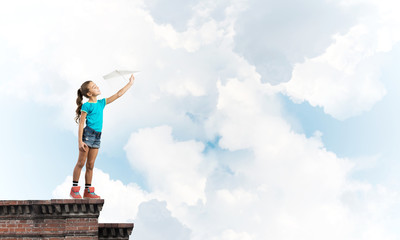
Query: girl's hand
{"x": 131, "y": 79}
{"x": 121, "y": 91}
{"x": 82, "y": 146}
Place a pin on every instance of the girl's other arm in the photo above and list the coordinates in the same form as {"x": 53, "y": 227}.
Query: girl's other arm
{"x": 82, "y": 145}
{"x": 121, "y": 92}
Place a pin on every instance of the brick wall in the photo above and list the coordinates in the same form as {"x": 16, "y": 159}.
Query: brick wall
{"x": 57, "y": 219}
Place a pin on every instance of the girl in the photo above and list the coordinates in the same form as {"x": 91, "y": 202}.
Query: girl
{"x": 90, "y": 112}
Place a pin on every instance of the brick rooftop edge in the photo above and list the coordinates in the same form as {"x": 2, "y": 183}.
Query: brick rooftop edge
{"x": 58, "y": 219}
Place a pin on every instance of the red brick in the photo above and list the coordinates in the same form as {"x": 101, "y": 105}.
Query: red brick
{"x": 44, "y": 217}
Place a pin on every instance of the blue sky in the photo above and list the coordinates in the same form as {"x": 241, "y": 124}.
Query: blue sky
{"x": 249, "y": 119}
{"x": 374, "y": 133}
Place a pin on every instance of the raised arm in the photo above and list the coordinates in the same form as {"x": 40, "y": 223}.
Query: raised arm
{"x": 121, "y": 91}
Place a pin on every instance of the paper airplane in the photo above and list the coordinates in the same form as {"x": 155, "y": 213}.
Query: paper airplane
{"x": 118, "y": 73}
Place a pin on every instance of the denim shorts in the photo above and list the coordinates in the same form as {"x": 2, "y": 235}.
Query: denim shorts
{"x": 91, "y": 137}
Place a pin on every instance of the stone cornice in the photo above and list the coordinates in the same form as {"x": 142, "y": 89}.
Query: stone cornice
{"x": 55, "y": 208}
{"x": 115, "y": 230}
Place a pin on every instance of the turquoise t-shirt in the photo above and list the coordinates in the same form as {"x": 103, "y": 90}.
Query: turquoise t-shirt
{"x": 94, "y": 118}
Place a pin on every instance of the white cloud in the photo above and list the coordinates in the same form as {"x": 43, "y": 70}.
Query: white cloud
{"x": 192, "y": 39}
{"x": 345, "y": 79}
{"x": 173, "y": 168}
{"x": 291, "y": 182}
{"x": 232, "y": 235}
{"x": 290, "y": 186}
{"x": 155, "y": 222}
{"x": 275, "y": 35}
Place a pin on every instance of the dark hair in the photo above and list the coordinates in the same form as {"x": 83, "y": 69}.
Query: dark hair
{"x": 83, "y": 91}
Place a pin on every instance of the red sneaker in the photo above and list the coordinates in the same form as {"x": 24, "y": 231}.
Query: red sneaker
{"x": 75, "y": 192}
{"x": 89, "y": 193}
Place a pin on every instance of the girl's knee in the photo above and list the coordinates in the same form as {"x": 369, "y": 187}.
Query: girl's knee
{"x": 89, "y": 166}
{"x": 80, "y": 164}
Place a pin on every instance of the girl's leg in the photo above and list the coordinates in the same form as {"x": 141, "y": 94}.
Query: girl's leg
{"x": 90, "y": 164}
{"x": 79, "y": 165}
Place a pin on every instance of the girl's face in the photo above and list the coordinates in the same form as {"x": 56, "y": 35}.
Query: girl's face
{"x": 93, "y": 89}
